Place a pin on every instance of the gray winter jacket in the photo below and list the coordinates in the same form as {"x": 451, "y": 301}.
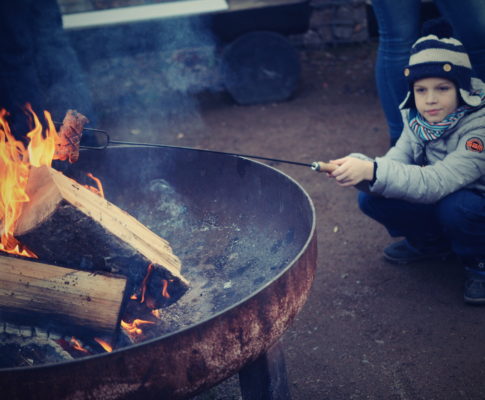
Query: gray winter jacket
{"x": 425, "y": 172}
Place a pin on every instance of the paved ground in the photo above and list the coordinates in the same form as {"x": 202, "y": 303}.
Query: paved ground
{"x": 369, "y": 330}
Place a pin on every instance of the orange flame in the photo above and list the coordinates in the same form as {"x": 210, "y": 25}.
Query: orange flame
{"x": 145, "y": 282}
{"x": 144, "y": 285}
{"x": 133, "y": 328}
{"x": 99, "y": 189}
{"x": 104, "y": 344}
{"x": 41, "y": 147}
{"x": 165, "y": 289}
{"x": 15, "y": 163}
{"x": 76, "y": 345}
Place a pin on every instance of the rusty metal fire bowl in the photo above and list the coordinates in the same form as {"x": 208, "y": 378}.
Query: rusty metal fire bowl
{"x": 245, "y": 234}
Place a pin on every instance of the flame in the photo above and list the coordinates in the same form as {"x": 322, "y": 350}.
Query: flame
{"x": 14, "y": 172}
{"x": 145, "y": 282}
{"x": 76, "y": 345}
{"x": 164, "y": 289}
{"x": 41, "y": 147}
{"x": 104, "y": 344}
{"x": 15, "y": 163}
{"x": 99, "y": 189}
{"x": 133, "y": 328}
{"x": 144, "y": 285}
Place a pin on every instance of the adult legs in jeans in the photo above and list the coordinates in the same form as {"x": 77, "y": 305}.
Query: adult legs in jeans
{"x": 399, "y": 27}
{"x": 468, "y": 21}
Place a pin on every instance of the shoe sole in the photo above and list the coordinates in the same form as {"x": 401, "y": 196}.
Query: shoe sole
{"x": 400, "y": 261}
{"x": 474, "y": 301}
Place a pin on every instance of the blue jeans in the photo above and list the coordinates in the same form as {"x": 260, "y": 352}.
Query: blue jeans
{"x": 399, "y": 27}
{"x": 458, "y": 219}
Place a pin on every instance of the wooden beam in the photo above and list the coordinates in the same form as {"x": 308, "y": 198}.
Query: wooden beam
{"x": 38, "y": 294}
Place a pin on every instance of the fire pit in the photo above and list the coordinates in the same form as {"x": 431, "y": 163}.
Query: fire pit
{"x": 245, "y": 234}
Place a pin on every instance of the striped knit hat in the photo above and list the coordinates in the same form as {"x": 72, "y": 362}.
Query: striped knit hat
{"x": 436, "y": 57}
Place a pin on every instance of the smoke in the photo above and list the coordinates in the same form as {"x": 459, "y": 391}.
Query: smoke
{"x": 145, "y": 78}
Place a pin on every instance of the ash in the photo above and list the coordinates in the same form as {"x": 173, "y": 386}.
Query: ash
{"x": 225, "y": 261}
{"x": 26, "y": 347}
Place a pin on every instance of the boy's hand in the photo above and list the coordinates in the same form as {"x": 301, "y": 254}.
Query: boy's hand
{"x": 352, "y": 171}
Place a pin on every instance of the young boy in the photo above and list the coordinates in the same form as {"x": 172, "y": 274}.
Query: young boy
{"x": 430, "y": 187}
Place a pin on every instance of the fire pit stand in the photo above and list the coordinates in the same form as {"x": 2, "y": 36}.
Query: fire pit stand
{"x": 265, "y": 378}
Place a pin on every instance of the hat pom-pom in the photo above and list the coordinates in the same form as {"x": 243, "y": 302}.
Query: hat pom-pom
{"x": 439, "y": 27}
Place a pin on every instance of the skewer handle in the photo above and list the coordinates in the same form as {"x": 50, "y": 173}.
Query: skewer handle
{"x": 321, "y": 166}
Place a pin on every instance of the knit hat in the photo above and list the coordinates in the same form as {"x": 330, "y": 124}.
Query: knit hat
{"x": 436, "y": 57}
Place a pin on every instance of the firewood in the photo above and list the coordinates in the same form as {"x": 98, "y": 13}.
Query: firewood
{"x": 67, "y": 224}
{"x": 42, "y": 295}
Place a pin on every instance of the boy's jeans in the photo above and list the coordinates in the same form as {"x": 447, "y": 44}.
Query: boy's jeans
{"x": 458, "y": 219}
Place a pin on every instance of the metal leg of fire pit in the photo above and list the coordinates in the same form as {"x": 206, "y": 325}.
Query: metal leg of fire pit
{"x": 266, "y": 378}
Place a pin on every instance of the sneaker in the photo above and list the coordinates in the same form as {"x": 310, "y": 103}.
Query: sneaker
{"x": 403, "y": 252}
{"x": 474, "y": 292}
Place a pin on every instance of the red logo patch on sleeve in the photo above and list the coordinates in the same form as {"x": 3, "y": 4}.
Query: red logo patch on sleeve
{"x": 474, "y": 144}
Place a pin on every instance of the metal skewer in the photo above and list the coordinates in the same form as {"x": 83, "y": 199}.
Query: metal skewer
{"x": 318, "y": 166}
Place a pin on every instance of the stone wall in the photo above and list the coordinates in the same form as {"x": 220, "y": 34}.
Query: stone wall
{"x": 337, "y": 21}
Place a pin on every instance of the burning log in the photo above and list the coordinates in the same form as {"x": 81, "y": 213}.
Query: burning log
{"x": 42, "y": 295}
{"x": 65, "y": 223}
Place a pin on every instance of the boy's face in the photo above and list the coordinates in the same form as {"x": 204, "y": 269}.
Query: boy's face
{"x": 435, "y": 98}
